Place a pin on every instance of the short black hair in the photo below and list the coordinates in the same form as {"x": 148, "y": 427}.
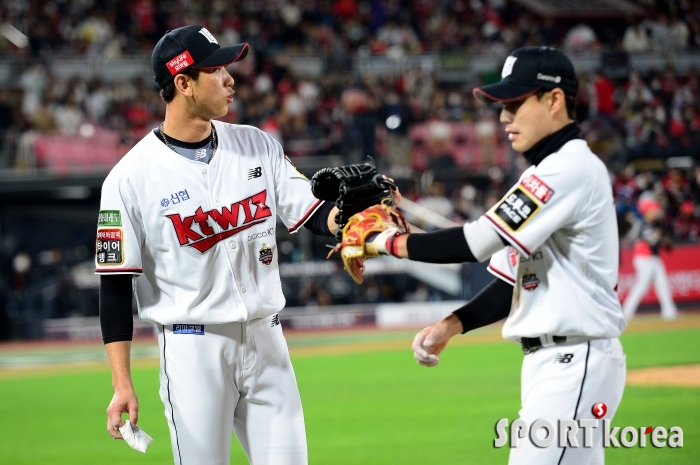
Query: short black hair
{"x": 167, "y": 93}
{"x": 570, "y": 101}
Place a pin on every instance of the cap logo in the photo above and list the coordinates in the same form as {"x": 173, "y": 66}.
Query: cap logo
{"x": 180, "y": 62}
{"x": 208, "y": 35}
{"x": 544, "y": 77}
{"x": 508, "y": 67}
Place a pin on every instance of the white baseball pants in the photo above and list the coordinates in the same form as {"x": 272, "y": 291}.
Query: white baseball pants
{"x": 650, "y": 268}
{"x": 235, "y": 377}
{"x": 564, "y": 382}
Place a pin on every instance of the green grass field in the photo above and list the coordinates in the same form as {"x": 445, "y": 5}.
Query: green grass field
{"x": 364, "y": 406}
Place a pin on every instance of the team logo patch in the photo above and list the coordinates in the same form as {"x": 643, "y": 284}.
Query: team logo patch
{"x": 538, "y": 188}
{"x": 208, "y": 35}
{"x": 180, "y": 62}
{"x": 530, "y": 281}
{"x": 254, "y": 173}
{"x": 110, "y": 247}
{"x": 189, "y": 329}
{"x": 196, "y": 230}
{"x": 265, "y": 254}
{"x": 563, "y": 358}
{"x": 109, "y": 218}
{"x": 516, "y": 208}
{"x": 508, "y": 67}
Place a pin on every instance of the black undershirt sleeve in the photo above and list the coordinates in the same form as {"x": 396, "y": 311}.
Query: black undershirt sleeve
{"x": 318, "y": 223}
{"x": 490, "y": 305}
{"x": 443, "y": 246}
{"x": 116, "y": 319}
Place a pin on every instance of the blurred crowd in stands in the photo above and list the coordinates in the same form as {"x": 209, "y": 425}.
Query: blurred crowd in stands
{"x": 413, "y": 124}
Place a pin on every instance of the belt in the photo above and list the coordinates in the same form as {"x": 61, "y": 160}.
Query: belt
{"x": 531, "y": 344}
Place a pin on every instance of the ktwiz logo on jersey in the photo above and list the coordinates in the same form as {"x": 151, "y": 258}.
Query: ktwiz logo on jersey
{"x": 536, "y": 187}
{"x": 516, "y": 208}
{"x": 196, "y": 231}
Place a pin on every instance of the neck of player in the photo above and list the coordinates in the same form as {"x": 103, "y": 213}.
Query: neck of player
{"x": 186, "y": 128}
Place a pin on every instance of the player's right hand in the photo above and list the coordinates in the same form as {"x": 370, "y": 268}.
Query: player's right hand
{"x": 431, "y": 341}
{"x": 123, "y": 401}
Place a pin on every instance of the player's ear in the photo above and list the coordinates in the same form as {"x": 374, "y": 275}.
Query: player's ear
{"x": 183, "y": 84}
{"x": 557, "y": 101}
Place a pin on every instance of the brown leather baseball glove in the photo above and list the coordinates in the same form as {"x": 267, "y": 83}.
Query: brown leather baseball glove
{"x": 369, "y": 233}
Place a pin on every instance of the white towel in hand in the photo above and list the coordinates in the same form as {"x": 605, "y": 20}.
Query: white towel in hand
{"x": 135, "y": 437}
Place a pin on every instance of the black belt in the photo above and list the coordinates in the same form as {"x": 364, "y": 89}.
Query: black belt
{"x": 531, "y": 344}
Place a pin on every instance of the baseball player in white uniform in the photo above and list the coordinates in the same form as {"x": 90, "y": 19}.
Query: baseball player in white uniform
{"x": 187, "y": 222}
{"x": 553, "y": 246}
{"x": 648, "y": 264}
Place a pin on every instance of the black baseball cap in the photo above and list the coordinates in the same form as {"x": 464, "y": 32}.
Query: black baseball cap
{"x": 191, "y": 47}
{"x": 528, "y": 70}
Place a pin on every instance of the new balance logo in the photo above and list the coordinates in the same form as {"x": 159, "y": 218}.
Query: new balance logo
{"x": 563, "y": 358}
{"x": 254, "y": 173}
{"x": 275, "y": 321}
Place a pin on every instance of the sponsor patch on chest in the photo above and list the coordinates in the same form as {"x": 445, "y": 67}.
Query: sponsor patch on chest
{"x": 189, "y": 329}
{"x": 516, "y": 208}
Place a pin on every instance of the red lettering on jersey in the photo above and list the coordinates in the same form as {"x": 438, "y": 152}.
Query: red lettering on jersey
{"x": 512, "y": 256}
{"x": 536, "y": 187}
{"x": 262, "y": 211}
{"x": 182, "y": 229}
{"x": 227, "y": 219}
{"x": 201, "y": 218}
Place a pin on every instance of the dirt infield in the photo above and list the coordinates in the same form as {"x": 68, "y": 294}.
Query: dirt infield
{"x": 681, "y": 375}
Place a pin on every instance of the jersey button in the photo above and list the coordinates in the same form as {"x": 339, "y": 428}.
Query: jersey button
{"x": 204, "y": 170}
{"x": 218, "y": 199}
{"x": 243, "y": 290}
{"x": 233, "y": 245}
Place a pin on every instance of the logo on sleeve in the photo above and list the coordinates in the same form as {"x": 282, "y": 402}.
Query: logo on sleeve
{"x": 109, "y": 218}
{"x": 538, "y": 188}
{"x": 516, "y": 208}
{"x": 110, "y": 247}
{"x": 196, "y": 231}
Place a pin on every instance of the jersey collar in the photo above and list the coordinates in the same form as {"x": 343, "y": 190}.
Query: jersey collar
{"x": 552, "y": 143}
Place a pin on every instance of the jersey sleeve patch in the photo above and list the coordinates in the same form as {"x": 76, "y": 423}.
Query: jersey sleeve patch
{"x": 110, "y": 246}
{"x": 538, "y": 188}
{"x": 516, "y": 209}
{"x": 109, "y": 218}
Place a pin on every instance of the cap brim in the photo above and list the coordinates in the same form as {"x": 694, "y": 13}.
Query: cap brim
{"x": 224, "y": 56}
{"x": 503, "y": 92}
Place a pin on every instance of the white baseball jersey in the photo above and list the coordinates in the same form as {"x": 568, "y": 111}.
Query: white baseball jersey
{"x": 560, "y": 222}
{"x": 201, "y": 237}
